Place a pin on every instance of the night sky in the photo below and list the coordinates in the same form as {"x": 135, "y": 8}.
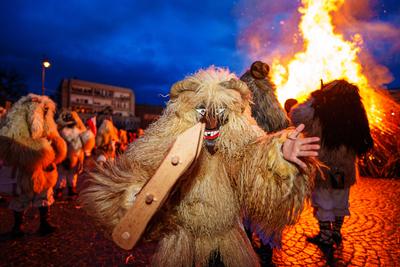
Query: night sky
{"x": 148, "y": 45}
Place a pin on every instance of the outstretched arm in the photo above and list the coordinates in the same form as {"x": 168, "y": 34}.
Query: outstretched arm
{"x": 26, "y": 153}
{"x": 275, "y": 179}
{"x": 296, "y": 147}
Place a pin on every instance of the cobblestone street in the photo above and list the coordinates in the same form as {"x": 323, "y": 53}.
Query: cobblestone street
{"x": 371, "y": 236}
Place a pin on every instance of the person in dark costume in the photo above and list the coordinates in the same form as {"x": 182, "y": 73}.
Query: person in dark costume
{"x": 337, "y": 115}
{"x": 270, "y": 116}
{"x": 265, "y": 109}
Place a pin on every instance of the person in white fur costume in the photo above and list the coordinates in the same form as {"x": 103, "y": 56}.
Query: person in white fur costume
{"x": 30, "y": 142}
{"x": 106, "y": 139}
{"x": 80, "y": 142}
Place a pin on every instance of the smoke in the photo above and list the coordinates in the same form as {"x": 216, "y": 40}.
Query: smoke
{"x": 269, "y": 31}
{"x": 379, "y": 38}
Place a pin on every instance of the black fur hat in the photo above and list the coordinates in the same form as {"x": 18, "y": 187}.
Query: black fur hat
{"x": 342, "y": 116}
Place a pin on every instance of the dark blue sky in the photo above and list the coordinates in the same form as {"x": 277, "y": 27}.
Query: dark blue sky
{"x": 146, "y": 45}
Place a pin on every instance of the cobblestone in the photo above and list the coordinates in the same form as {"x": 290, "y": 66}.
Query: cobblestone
{"x": 371, "y": 236}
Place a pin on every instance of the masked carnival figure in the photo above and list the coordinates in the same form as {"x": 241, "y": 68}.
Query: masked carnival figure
{"x": 30, "y": 142}
{"x": 270, "y": 116}
{"x": 106, "y": 140}
{"x": 336, "y": 114}
{"x": 239, "y": 169}
{"x": 78, "y": 139}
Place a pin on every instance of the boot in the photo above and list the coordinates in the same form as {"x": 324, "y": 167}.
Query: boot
{"x": 265, "y": 253}
{"x": 72, "y": 191}
{"x": 337, "y": 226}
{"x": 16, "y": 231}
{"x": 45, "y": 227}
{"x": 324, "y": 238}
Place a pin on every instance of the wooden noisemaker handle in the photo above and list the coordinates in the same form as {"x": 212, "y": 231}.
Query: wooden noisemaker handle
{"x": 151, "y": 197}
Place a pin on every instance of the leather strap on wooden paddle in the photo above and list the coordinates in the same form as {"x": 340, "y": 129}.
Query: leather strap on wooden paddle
{"x": 183, "y": 153}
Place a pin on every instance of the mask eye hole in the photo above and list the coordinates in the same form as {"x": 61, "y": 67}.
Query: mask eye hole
{"x": 220, "y": 111}
{"x": 201, "y": 111}
{"x": 46, "y": 109}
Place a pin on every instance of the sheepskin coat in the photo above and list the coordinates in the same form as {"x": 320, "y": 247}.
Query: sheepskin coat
{"x": 202, "y": 217}
{"x": 30, "y": 141}
{"x": 336, "y": 114}
{"x": 265, "y": 107}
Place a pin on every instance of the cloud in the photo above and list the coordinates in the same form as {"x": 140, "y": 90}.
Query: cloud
{"x": 144, "y": 45}
{"x": 137, "y": 44}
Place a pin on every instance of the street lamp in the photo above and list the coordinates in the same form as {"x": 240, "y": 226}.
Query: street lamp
{"x": 45, "y": 64}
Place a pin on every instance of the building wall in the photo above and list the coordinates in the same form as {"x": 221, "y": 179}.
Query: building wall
{"x": 90, "y": 97}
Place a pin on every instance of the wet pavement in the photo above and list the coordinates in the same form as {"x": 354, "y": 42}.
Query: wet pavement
{"x": 371, "y": 236}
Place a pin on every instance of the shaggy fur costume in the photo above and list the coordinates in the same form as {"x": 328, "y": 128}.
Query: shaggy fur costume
{"x": 122, "y": 141}
{"x": 89, "y": 142}
{"x": 271, "y": 117}
{"x": 336, "y": 115}
{"x": 78, "y": 138}
{"x": 201, "y": 218}
{"x": 29, "y": 140}
{"x": 107, "y": 134}
{"x": 265, "y": 108}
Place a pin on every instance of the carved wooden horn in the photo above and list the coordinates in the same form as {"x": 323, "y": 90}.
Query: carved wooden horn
{"x": 181, "y": 86}
{"x": 237, "y": 85}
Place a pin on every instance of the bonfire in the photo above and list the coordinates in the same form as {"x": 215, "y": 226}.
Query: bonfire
{"x": 326, "y": 55}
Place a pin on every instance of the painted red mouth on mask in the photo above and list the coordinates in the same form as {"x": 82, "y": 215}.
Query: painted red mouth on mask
{"x": 211, "y": 134}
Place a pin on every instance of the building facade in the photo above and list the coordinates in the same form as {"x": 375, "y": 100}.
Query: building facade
{"x": 90, "y": 98}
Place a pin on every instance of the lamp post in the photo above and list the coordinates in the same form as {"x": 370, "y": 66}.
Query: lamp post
{"x": 45, "y": 64}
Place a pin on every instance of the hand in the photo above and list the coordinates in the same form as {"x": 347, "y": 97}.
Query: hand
{"x": 296, "y": 146}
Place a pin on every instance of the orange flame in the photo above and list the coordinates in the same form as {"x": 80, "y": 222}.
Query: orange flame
{"x": 327, "y": 56}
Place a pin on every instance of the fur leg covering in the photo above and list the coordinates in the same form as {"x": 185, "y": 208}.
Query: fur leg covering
{"x": 182, "y": 249}
{"x": 175, "y": 250}
{"x": 236, "y": 249}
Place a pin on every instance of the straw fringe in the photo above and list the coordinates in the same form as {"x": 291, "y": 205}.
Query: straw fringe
{"x": 30, "y": 141}
{"x": 202, "y": 215}
{"x": 272, "y": 189}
